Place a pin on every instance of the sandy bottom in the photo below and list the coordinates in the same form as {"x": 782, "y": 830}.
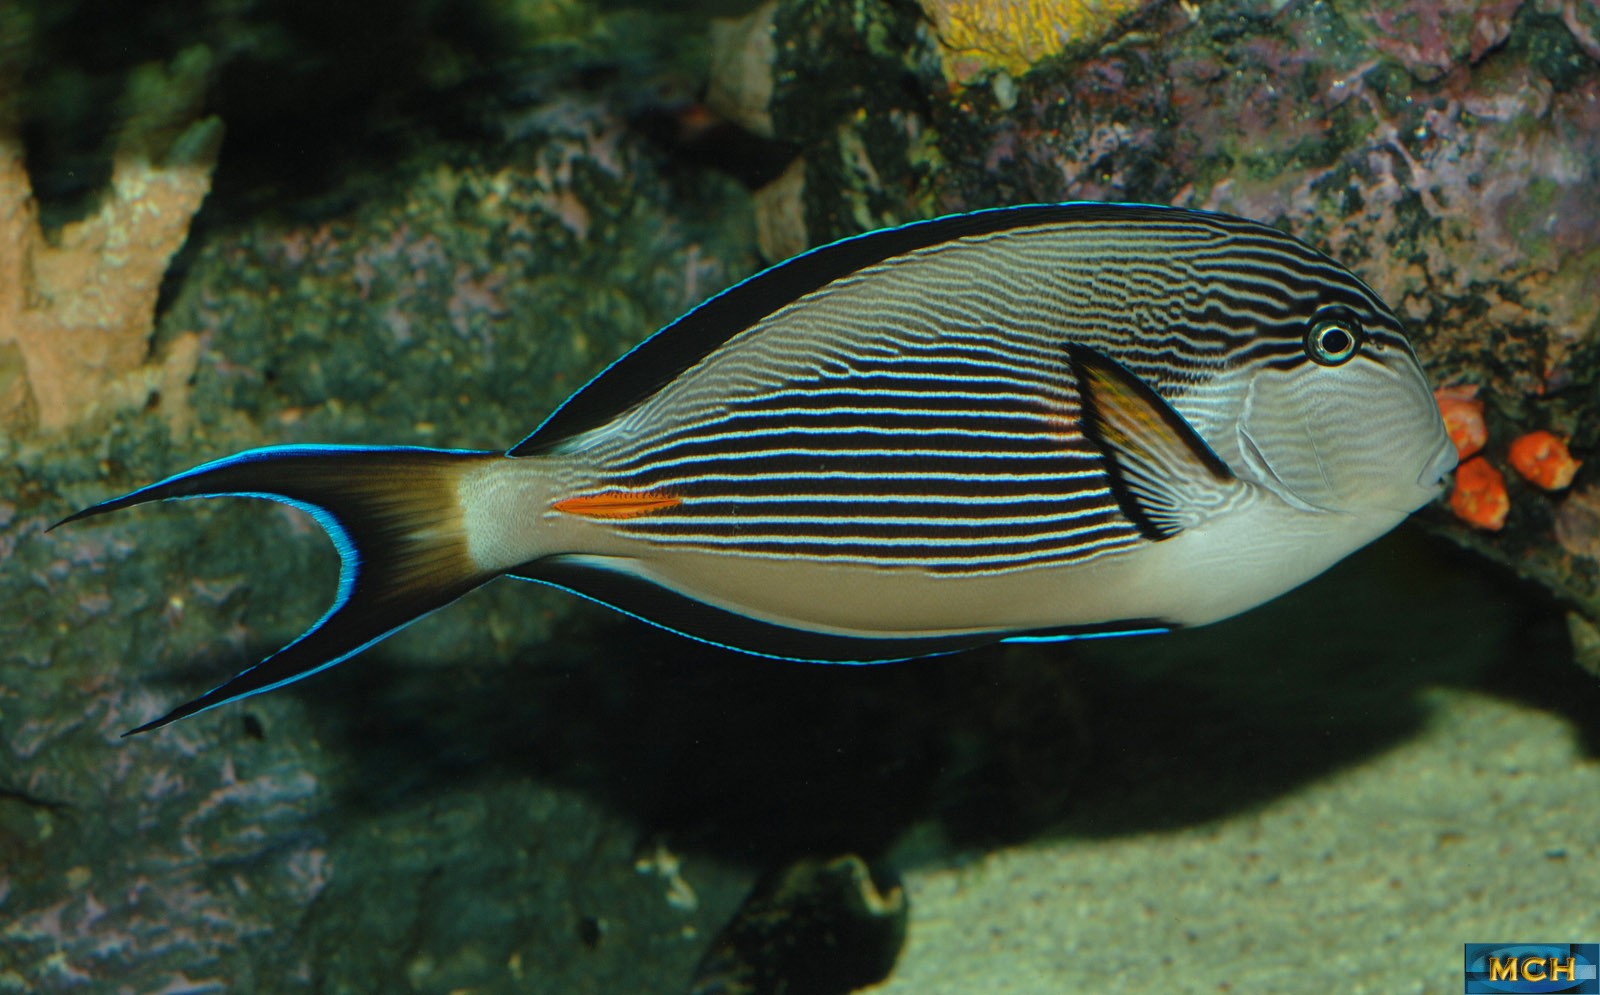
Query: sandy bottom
{"x": 1351, "y": 842}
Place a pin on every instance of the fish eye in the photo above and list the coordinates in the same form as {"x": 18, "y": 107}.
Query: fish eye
{"x": 1333, "y": 336}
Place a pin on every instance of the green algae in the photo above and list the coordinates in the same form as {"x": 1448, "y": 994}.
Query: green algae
{"x": 1546, "y": 43}
{"x": 871, "y": 65}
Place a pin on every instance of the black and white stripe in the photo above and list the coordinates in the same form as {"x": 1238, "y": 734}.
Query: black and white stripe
{"x": 919, "y": 410}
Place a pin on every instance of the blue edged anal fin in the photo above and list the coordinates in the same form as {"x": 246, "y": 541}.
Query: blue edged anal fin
{"x": 393, "y": 513}
{"x": 1164, "y": 476}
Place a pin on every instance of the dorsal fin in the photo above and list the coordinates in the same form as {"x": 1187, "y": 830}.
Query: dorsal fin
{"x": 663, "y": 356}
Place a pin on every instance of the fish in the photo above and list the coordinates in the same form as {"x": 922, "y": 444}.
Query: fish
{"x": 1020, "y": 424}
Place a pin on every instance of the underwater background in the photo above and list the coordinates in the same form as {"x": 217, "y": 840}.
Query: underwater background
{"x": 230, "y": 223}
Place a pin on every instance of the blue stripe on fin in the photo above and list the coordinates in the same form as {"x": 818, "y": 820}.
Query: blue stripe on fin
{"x": 591, "y": 578}
{"x": 394, "y": 517}
{"x": 1130, "y": 628}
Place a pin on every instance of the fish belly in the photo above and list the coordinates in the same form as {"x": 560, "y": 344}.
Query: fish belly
{"x": 1210, "y": 572}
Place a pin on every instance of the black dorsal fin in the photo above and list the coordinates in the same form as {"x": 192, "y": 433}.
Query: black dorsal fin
{"x": 663, "y": 356}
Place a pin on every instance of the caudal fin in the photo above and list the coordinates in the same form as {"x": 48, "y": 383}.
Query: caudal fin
{"x": 396, "y": 518}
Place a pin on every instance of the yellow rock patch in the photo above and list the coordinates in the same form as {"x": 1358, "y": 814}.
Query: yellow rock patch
{"x": 977, "y": 36}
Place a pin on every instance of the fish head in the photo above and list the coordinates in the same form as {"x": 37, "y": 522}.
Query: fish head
{"x": 1345, "y": 421}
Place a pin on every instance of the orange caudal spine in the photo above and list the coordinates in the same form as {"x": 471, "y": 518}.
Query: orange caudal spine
{"x": 617, "y": 504}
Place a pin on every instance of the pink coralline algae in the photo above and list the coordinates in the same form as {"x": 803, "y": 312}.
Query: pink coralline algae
{"x": 1577, "y": 523}
{"x": 142, "y": 905}
{"x": 1430, "y": 37}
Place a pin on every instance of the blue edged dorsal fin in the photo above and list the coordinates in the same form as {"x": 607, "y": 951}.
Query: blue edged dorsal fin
{"x": 1164, "y": 476}
{"x": 675, "y": 348}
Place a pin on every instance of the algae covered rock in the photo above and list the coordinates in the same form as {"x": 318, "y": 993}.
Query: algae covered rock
{"x": 514, "y": 796}
{"x": 977, "y": 37}
{"x": 815, "y": 927}
{"x": 452, "y": 299}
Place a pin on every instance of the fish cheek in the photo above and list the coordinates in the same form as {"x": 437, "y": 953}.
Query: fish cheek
{"x": 1313, "y": 424}
{"x": 1277, "y": 441}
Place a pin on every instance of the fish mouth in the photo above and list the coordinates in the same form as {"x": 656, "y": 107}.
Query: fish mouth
{"x": 1432, "y": 477}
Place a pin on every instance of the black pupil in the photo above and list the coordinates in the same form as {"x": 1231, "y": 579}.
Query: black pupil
{"x": 1335, "y": 341}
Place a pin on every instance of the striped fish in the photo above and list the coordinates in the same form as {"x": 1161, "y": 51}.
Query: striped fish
{"x": 1028, "y": 423}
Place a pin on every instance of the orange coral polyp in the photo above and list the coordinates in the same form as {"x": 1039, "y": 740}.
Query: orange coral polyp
{"x": 1543, "y": 460}
{"x": 1463, "y": 418}
{"x": 1479, "y": 497}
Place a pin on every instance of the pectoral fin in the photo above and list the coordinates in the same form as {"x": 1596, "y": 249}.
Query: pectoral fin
{"x": 1164, "y": 476}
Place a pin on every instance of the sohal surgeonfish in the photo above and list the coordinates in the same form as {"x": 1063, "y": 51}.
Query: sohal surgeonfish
{"x": 1028, "y": 423}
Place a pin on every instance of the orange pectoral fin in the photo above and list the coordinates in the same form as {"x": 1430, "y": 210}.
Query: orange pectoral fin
{"x": 617, "y": 504}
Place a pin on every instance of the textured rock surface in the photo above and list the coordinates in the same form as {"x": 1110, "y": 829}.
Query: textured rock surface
{"x": 521, "y": 793}
{"x": 976, "y": 36}
{"x": 77, "y": 307}
{"x": 467, "y": 294}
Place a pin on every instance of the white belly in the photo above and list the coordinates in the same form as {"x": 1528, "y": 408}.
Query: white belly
{"x": 1228, "y": 565}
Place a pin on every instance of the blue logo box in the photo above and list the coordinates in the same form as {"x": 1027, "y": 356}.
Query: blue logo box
{"x": 1533, "y": 967}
